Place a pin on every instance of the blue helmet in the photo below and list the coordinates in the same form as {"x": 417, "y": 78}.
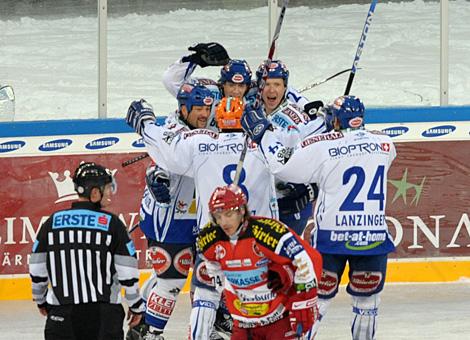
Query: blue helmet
{"x": 236, "y": 71}
{"x": 277, "y": 69}
{"x": 349, "y": 110}
{"x": 194, "y": 95}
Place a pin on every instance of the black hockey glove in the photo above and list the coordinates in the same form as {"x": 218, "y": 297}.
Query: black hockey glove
{"x": 208, "y": 54}
{"x": 312, "y": 108}
{"x": 295, "y": 197}
{"x": 138, "y": 113}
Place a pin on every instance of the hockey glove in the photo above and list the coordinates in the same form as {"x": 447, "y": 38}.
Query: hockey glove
{"x": 295, "y": 197}
{"x": 255, "y": 123}
{"x": 325, "y": 113}
{"x": 280, "y": 278}
{"x": 139, "y": 112}
{"x": 207, "y": 54}
{"x": 303, "y": 312}
{"x": 158, "y": 183}
{"x": 138, "y": 307}
{"x": 312, "y": 108}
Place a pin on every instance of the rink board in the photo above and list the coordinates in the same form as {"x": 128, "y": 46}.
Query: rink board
{"x": 428, "y": 189}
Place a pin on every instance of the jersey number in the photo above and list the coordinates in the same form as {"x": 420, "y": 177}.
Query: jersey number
{"x": 349, "y": 203}
{"x": 228, "y": 178}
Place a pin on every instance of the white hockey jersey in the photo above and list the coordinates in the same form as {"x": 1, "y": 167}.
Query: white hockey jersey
{"x": 350, "y": 169}
{"x": 174, "y": 222}
{"x": 289, "y": 118}
{"x": 211, "y": 159}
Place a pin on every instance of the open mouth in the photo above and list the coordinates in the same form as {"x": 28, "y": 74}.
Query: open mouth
{"x": 271, "y": 100}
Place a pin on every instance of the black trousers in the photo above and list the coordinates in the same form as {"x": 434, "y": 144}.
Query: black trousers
{"x": 88, "y": 321}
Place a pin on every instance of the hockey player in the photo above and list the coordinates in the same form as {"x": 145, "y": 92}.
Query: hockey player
{"x": 243, "y": 254}
{"x": 168, "y": 219}
{"x": 235, "y": 75}
{"x": 350, "y": 166}
{"x": 211, "y": 159}
{"x": 295, "y": 200}
{"x": 85, "y": 255}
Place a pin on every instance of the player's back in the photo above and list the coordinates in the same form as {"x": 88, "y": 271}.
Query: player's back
{"x": 215, "y": 162}
{"x": 353, "y": 190}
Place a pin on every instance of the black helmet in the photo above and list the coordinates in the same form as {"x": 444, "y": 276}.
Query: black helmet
{"x": 90, "y": 175}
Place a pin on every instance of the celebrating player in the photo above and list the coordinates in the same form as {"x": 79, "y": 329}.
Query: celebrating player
{"x": 210, "y": 158}
{"x": 168, "y": 220}
{"x": 350, "y": 166}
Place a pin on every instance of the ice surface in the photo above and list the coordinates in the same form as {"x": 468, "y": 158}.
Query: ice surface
{"x": 52, "y": 63}
{"x": 408, "y": 311}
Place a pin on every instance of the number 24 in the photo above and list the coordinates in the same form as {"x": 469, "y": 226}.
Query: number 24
{"x": 349, "y": 203}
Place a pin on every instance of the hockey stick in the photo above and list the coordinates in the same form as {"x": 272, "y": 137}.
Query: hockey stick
{"x": 261, "y": 86}
{"x": 134, "y": 227}
{"x": 311, "y": 86}
{"x": 134, "y": 160}
{"x": 362, "y": 41}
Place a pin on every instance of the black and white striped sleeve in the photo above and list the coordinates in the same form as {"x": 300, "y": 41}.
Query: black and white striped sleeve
{"x": 125, "y": 261}
{"x": 38, "y": 266}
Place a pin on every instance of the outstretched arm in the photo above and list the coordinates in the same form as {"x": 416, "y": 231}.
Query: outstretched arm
{"x": 204, "y": 54}
{"x": 164, "y": 143}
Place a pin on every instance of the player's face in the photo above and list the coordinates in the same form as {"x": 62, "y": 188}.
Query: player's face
{"x": 273, "y": 94}
{"x": 229, "y": 220}
{"x": 198, "y": 116}
{"x": 107, "y": 193}
{"x": 234, "y": 89}
{"x": 103, "y": 197}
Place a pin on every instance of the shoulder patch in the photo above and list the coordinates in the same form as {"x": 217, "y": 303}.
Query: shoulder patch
{"x": 268, "y": 232}
{"x": 208, "y": 236}
{"x": 207, "y": 132}
{"x": 294, "y": 116}
{"x": 322, "y": 137}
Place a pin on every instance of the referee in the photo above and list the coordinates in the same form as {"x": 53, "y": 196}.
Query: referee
{"x": 81, "y": 259}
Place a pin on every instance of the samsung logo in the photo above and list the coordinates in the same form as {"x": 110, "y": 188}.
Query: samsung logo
{"x": 55, "y": 145}
{"x": 438, "y": 131}
{"x": 102, "y": 143}
{"x": 395, "y": 131}
{"x": 11, "y": 146}
{"x": 139, "y": 143}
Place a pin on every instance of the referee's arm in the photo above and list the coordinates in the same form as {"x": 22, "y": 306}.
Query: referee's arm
{"x": 125, "y": 261}
{"x": 38, "y": 268}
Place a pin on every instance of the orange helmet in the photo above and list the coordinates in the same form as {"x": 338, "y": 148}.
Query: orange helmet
{"x": 228, "y": 113}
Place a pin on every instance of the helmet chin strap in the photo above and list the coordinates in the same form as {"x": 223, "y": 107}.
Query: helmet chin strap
{"x": 241, "y": 229}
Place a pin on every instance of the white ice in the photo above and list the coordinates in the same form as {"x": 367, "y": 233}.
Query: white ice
{"x": 52, "y": 64}
{"x": 407, "y": 312}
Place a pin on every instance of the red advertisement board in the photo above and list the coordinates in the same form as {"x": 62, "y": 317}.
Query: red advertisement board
{"x": 34, "y": 187}
{"x": 429, "y": 198}
{"x": 427, "y": 213}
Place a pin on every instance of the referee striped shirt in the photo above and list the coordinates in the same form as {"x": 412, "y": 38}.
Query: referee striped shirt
{"x": 85, "y": 255}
